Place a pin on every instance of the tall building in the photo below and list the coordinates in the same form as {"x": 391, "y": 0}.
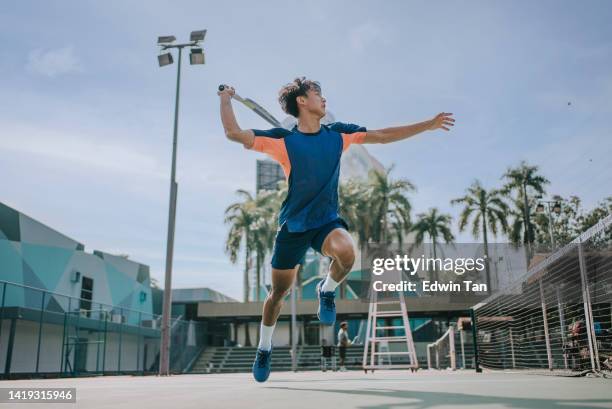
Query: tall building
{"x": 269, "y": 173}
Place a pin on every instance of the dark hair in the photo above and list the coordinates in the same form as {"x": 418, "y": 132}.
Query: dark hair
{"x": 288, "y": 94}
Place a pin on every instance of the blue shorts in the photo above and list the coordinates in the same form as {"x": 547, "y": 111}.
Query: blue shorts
{"x": 290, "y": 248}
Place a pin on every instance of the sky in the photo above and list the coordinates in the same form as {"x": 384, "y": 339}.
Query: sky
{"x": 86, "y": 114}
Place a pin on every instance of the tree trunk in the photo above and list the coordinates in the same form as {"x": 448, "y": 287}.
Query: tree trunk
{"x": 434, "y": 273}
{"x": 486, "y": 251}
{"x": 258, "y": 271}
{"x": 384, "y": 226}
{"x": 247, "y": 335}
{"x": 246, "y": 267}
{"x": 527, "y": 225}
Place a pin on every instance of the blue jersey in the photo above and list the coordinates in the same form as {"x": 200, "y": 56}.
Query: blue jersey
{"x": 311, "y": 163}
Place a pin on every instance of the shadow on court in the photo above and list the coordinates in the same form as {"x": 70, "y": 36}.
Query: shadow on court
{"x": 422, "y": 400}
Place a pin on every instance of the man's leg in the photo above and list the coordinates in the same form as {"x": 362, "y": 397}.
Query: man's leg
{"x": 339, "y": 246}
{"x": 281, "y": 284}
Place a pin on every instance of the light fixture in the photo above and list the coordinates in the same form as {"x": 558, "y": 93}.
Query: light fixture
{"x": 198, "y": 35}
{"x": 196, "y": 56}
{"x": 540, "y": 208}
{"x": 165, "y": 39}
{"x": 165, "y": 59}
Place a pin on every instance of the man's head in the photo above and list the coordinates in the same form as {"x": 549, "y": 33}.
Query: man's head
{"x": 302, "y": 96}
{"x": 344, "y": 325}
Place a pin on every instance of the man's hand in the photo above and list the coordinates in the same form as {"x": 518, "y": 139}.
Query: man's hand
{"x": 228, "y": 92}
{"x": 442, "y": 120}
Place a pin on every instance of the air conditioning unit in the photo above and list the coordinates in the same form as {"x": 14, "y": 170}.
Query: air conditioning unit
{"x": 149, "y": 324}
{"x": 75, "y": 276}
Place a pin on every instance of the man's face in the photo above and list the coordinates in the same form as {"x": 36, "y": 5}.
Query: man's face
{"x": 314, "y": 102}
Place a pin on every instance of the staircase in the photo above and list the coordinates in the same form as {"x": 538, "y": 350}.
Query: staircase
{"x": 235, "y": 359}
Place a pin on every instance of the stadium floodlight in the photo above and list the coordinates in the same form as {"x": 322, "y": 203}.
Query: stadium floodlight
{"x": 196, "y": 56}
{"x": 165, "y": 59}
{"x": 197, "y": 35}
{"x": 165, "y": 39}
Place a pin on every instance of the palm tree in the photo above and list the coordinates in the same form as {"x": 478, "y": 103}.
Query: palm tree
{"x": 516, "y": 228}
{"x": 355, "y": 208}
{"x": 488, "y": 210}
{"x": 434, "y": 225}
{"x": 240, "y": 217}
{"x": 518, "y": 180}
{"x": 263, "y": 229}
{"x": 387, "y": 200}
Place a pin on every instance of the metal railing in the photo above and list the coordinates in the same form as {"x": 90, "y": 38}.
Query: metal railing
{"x": 52, "y": 334}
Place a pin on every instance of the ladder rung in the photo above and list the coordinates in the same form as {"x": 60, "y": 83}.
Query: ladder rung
{"x": 393, "y": 353}
{"x": 392, "y": 327}
{"x": 388, "y": 314}
{"x": 396, "y": 338}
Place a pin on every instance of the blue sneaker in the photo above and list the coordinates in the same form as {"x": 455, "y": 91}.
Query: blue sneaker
{"x": 261, "y": 366}
{"x": 327, "y": 306}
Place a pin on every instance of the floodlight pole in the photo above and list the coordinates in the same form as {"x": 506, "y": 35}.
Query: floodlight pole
{"x": 164, "y": 359}
{"x": 166, "y": 328}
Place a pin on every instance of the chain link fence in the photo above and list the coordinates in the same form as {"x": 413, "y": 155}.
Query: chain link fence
{"x": 557, "y": 317}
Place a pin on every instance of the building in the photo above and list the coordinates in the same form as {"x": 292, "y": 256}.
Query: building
{"x": 63, "y": 309}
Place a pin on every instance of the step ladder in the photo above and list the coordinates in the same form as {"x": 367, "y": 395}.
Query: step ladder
{"x": 378, "y": 346}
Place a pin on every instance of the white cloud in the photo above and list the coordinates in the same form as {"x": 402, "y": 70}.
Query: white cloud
{"x": 70, "y": 149}
{"x": 52, "y": 63}
{"x": 361, "y": 36}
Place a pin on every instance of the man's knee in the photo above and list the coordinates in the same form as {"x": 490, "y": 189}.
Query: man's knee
{"x": 345, "y": 256}
{"x": 277, "y": 295}
{"x": 339, "y": 246}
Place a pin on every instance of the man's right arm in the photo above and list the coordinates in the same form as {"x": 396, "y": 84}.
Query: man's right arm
{"x": 230, "y": 125}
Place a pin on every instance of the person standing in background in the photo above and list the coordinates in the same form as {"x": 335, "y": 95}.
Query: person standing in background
{"x": 343, "y": 343}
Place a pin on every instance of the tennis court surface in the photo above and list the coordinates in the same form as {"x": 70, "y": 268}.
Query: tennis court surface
{"x": 317, "y": 390}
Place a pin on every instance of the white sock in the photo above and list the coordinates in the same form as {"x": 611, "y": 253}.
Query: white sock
{"x": 265, "y": 337}
{"x": 329, "y": 284}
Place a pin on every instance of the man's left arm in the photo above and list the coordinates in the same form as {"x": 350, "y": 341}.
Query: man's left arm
{"x": 443, "y": 120}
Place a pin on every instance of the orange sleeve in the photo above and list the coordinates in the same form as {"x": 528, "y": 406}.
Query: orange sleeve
{"x": 349, "y": 138}
{"x": 274, "y": 148}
